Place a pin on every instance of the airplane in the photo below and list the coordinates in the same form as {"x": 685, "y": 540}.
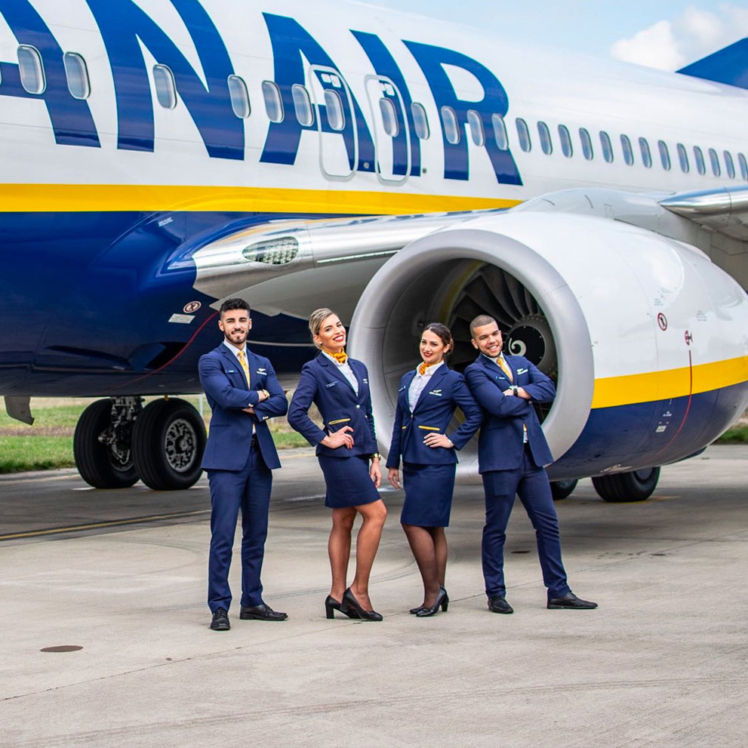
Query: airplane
{"x": 160, "y": 156}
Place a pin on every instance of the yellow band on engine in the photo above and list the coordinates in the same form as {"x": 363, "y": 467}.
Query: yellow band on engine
{"x": 611, "y": 392}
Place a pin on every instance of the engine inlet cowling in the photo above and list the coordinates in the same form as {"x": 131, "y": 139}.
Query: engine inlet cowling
{"x": 451, "y": 277}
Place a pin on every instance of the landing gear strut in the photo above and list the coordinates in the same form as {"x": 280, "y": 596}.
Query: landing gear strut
{"x": 117, "y": 441}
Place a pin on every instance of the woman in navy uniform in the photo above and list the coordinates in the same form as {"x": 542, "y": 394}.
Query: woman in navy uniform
{"x": 426, "y": 401}
{"x": 347, "y": 454}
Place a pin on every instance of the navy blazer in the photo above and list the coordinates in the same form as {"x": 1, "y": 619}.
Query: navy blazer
{"x": 323, "y": 384}
{"x": 225, "y": 386}
{"x": 500, "y": 444}
{"x": 433, "y": 412}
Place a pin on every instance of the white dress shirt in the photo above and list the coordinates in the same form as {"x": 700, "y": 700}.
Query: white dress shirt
{"x": 419, "y": 384}
{"x": 345, "y": 370}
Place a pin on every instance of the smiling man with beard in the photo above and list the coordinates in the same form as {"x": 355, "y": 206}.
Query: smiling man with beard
{"x": 243, "y": 393}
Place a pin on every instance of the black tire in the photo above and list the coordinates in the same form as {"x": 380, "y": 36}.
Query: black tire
{"x": 562, "y": 489}
{"x": 168, "y": 442}
{"x": 638, "y": 485}
{"x": 96, "y": 462}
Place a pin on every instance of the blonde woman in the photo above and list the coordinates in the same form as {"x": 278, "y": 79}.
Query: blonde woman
{"x": 347, "y": 454}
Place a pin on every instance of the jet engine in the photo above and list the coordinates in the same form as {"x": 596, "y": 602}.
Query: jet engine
{"x": 646, "y": 339}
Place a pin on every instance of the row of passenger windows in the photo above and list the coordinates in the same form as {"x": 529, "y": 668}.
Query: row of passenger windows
{"x": 716, "y": 163}
{"x": 33, "y": 80}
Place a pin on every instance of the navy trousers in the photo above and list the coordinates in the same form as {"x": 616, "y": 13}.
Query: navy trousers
{"x": 530, "y": 483}
{"x": 249, "y": 490}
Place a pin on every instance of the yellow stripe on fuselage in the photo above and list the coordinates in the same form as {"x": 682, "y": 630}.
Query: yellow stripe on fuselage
{"x": 663, "y": 385}
{"x": 108, "y": 198}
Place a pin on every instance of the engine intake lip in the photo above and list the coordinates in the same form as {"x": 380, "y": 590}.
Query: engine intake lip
{"x": 386, "y": 303}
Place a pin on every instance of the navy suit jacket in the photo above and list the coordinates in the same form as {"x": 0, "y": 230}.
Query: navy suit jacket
{"x": 225, "y": 386}
{"x": 323, "y": 384}
{"x": 500, "y": 444}
{"x": 436, "y": 405}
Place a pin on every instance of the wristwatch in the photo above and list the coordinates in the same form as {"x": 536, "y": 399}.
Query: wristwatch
{"x": 375, "y": 456}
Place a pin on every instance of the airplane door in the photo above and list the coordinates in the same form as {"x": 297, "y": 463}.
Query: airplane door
{"x": 336, "y": 122}
{"x": 391, "y": 131}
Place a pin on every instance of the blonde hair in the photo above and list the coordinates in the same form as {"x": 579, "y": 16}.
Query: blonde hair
{"x": 316, "y": 318}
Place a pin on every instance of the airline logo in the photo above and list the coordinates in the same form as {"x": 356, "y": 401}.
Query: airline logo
{"x": 124, "y": 26}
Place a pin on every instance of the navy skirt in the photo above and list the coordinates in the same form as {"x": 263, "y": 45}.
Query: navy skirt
{"x": 428, "y": 494}
{"x": 348, "y": 482}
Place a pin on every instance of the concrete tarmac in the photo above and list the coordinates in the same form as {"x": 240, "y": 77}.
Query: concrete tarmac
{"x": 120, "y": 575}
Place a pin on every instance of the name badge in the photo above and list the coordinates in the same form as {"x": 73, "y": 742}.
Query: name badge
{"x": 402, "y": 389}
{"x": 262, "y": 371}
{"x": 330, "y": 384}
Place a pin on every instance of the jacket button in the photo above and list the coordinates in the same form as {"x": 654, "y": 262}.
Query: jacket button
{"x": 358, "y": 406}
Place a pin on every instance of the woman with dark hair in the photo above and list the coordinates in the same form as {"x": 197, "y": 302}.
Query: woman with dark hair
{"x": 426, "y": 401}
{"x": 339, "y": 387}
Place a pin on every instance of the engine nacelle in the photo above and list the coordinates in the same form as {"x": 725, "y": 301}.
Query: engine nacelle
{"x": 645, "y": 337}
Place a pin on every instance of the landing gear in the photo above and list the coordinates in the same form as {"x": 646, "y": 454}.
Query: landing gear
{"x": 102, "y": 443}
{"x": 117, "y": 442}
{"x": 562, "y": 489}
{"x": 623, "y": 487}
{"x": 168, "y": 445}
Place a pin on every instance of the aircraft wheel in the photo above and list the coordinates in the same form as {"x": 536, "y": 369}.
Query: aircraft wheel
{"x": 102, "y": 452}
{"x": 168, "y": 445}
{"x": 622, "y": 487}
{"x": 562, "y": 489}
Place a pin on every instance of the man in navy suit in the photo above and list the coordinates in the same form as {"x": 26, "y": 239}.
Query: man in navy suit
{"x": 512, "y": 454}
{"x": 243, "y": 393}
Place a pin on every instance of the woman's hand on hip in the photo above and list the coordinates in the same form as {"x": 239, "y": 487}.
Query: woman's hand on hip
{"x": 434, "y": 440}
{"x": 340, "y": 438}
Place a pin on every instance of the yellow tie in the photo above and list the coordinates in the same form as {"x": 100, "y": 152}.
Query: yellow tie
{"x": 422, "y": 368}
{"x": 242, "y": 356}
{"x": 505, "y": 368}
{"x": 341, "y": 358}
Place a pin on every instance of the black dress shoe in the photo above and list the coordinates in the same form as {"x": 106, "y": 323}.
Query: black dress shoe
{"x": 331, "y": 605}
{"x": 261, "y": 612}
{"x": 499, "y": 605}
{"x": 220, "y": 620}
{"x": 571, "y": 602}
{"x": 442, "y": 601}
{"x": 349, "y": 603}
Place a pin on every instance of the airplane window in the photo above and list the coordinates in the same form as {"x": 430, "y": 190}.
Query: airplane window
{"x": 166, "y": 87}
{"x": 477, "y": 132}
{"x": 587, "y": 151}
{"x": 499, "y": 131}
{"x": 729, "y": 165}
{"x": 239, "y": 96}
{"x": 273, "y": 102}
{"x": 76, "y": 73}
{"x": 389, "y": 117}
{"x": 546, "y": 144}
{"x": 628, "y": 151}
{"x": 743, "y": 167}
{"x": 646, "y": 153}
{"x": 698, "y": 154}
{"x": 523, "y": 131}
{"x": 302, "y": 105}
{"x": 31, "y": 69}
{"x": 420, "y": 120}
{"x": 449, "y": 122}
{"x": 664, "y": 154}
{"x": 565, "y": 138}
{"x": 334, "y": 107}
{"x": 714, "y": 159}
{"x": 607, "y": 146}
{"x": 685, "y": 167}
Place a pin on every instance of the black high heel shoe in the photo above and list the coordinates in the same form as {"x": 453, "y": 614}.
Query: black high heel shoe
{"x": 331, "y": 605}
{"x": 414, "y": 611}
{"x": 442, "y": 601}
{"x": 350, "y": 602}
